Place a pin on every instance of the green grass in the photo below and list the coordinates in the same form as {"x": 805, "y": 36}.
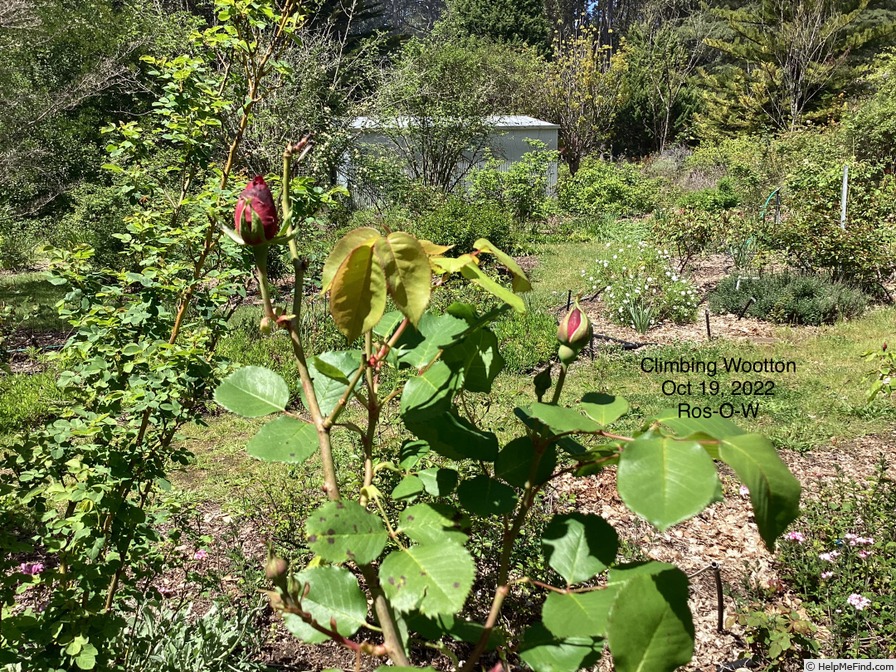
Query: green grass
{"x": 25, "y": 399}
{"x": 32, "y": 299}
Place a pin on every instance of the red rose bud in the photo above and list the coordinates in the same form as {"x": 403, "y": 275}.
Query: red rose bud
{"x": 255, "y": 218}
{"x": 575, "y": 329}
{"x": 884, "y": 348}
{"x": 574, "y": 333}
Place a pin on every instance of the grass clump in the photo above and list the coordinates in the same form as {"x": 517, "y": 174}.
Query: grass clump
{"x": 789, "y": 298}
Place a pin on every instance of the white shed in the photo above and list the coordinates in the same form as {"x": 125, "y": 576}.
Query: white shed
{"x": 507, "y": 143}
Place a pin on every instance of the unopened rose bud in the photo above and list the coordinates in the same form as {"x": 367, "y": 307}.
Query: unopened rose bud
{"x": 275, "y": 568}
{"x": 255, "y": 218}
{"x": 574, "y": 333}
{"x": 884, "y": 347}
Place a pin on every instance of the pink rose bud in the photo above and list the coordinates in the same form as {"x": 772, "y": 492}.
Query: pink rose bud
{"x": 255, "y": 218}
{"x": 275, "y": 568}
{"x": 574, "y": 333}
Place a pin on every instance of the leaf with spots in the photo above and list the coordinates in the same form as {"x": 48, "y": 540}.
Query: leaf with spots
{"x": 333, "y": 593}
{"x": 432, "y": 578}
{"x": 345, "y": 530}
{"x": 284, "y": 439}
{"x": 433, "y": 524}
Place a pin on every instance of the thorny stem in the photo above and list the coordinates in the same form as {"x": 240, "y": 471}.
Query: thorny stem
{"x": 386, "y": 618}
{"x": 373, "y": 414}
{"x": 510, "y": 535}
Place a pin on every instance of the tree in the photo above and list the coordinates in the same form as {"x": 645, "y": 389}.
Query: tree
{"x": 582, "y": 93}
{"x": 662, "y": 56}
{"x": 787, "y": 55}
{"x": 502, "y": 20}
{"x": 436, "y": 103}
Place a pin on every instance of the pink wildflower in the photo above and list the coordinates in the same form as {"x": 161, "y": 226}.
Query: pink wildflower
{"x": 863, "y": 554}
{"x": 858, "y": 601}
{"x": 827, "y": 575}
{"x": 795, "y": 536}
{"x": 829, "y": 557}
{"x": 31, "y": 568}
{"x": 744, "y": 491}
{"x": 201, "y": 554}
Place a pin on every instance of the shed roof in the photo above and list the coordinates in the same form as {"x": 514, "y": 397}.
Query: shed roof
{"x": 502, "y": 122}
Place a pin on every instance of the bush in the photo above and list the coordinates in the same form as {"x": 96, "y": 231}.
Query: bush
{"x": 692, "y": 231}
{"x": 97, "y": 215}
{"x": 789, "y": 298}
{"x": 752, "y": 165}
{"x": 872, "y": 125}
{"x": 640, "y": 287}
{"x": 461, "y": 223}
{"x": 840, "y": 562}
{"x": 17, "y": 242}
{"x": 712, "y": 199}
{"x": 160, "y": 638}
{"x": 863, "y": 252}
{"x": 603, "y": 187}
{"x": 522, "y": 188}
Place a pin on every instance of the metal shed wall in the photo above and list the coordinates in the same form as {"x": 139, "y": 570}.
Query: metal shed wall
{"x": 508, "y": 144}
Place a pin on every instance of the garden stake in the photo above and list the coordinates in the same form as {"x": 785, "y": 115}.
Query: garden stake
{"x": 717, "y": 570}
{"x": 743, "y": 310}
{"x": 568, "y": 299}
{"x": 708, "y": 332}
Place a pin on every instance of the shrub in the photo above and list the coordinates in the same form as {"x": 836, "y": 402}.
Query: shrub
{"x": 379, "y": 179}
{"x": 522, "y": 188}
{"x": 688, "y": 230}
{"x": 96, "y": 219}
{"x": 789, "y": 298}
{"x": 600, "y": 186}
{"x": 460, "y": 223}
{"x": 692, "y": 231}
{"x": 752, "y": 164}
{"x": 712, "y": 199}
{"x": 17, "y": 242}
{"x": 161, "y": 638}
{"x": 872, "y": 125}
{"x": 436, "y": 585}
{"x": 640, "y": 287}
{"x": 862, "y": 252}
{"x": 840, "y": 561}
